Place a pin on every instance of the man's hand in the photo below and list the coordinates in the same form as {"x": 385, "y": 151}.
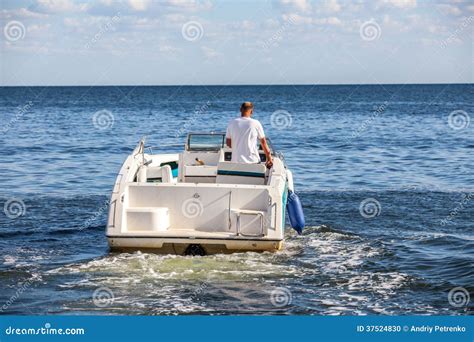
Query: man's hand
{"x": 269, "y": 163}
{"x": 268, "y": 153}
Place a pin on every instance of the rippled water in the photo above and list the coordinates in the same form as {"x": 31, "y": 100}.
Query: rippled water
{"x": 344, "y": 149}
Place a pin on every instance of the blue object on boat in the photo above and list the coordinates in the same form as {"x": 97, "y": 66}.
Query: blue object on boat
{"x": 295, "y": 212}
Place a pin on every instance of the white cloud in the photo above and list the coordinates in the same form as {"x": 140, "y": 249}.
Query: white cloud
{"x": 139, "y": 5}
{"x": 449, "y": 9}
{"x": 470, "y": 8}
{"x": 271, "y": 23}
{"x": 244, "y": 25}
{"x": 300, "y": 5}
{"x": 151, "y": 7}
{"x": 332, "y": 6}
{"x": 248, "y": 25}
{"x": 189, "y": 5}
{"x": 209, "y": 52}
{"x": 88, "y": 22}
{"x": 404, "y": 4}
{"x": 168, "y": 49}
{"x": 297, "y": 19}
{"x": 72, "y": 22}
{"x": 333, "y": 21}
{"x": 182, "y": 3}
{"x": 389, "y": 22}
{"x": 57, "y": 6}
{"x": 327, "y": 21}
{"x": 142, "y": 24}
{"x": 175, "y": 18}
{"x": 38, "y": 28}
{"x": 20, "y": 13}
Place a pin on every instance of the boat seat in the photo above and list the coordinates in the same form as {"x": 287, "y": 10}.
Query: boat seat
{"x": 159, "y": 173}
{"x": 240, "y": 173}
{"x": 200, "y": 171}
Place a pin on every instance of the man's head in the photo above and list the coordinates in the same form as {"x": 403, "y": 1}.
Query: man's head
{"x": 246, "y": 109}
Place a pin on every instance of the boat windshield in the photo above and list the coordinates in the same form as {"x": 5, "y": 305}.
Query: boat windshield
{"x": 205, "y": 141}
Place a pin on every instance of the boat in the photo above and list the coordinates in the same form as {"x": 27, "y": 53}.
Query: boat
{"x": 198, "y": 202}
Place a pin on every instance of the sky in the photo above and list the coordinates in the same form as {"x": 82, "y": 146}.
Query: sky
{"x": 176, "y": 42}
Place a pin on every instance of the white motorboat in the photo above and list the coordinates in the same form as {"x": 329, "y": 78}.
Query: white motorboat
{"x": 197, "y": 202}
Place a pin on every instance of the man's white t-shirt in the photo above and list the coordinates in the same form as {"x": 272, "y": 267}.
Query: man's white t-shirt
{"x": 244, "y": 133}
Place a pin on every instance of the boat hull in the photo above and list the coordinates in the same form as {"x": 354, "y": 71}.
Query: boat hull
{"x": 179, "y": 246}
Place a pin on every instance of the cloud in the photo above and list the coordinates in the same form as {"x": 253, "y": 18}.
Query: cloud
{"x": 271, "y": 23}
{"x": 333, "y": 21}
{"x": 389, "y": 22}
{"x": 168, "y": 49}
{"x": 209, "y": 52}
{"x": 297, "y": 19}
{"x": 57, "y": 6}
{"x": 38, "y": 29}
{"x": 327, "y": 21}
{"x": 188, "y": 4}
{"x": 175, "y": 18}
{"x": 133, "y": 24}
{"x": 449, "y": 9}
{"x": 332, "y": 6}
{"x": 248, "y": 25}
{"x": 299, "y": 5}
{"x": 139, "y": 5}
{"x": 20, "y": 13}
{"x": 403, "y": 4}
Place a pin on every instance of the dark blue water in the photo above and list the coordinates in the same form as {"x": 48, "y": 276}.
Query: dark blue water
{"x": 385, "y": 174}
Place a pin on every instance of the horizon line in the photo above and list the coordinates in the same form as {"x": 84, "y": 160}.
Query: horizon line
{"x": 235, "y": 85}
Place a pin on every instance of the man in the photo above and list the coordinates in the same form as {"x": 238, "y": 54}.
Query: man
{"x": 242, "y": 136}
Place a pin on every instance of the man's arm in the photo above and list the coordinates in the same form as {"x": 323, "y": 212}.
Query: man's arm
{"x": 266, "y": 149}
{"x": 228, "y": 135}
